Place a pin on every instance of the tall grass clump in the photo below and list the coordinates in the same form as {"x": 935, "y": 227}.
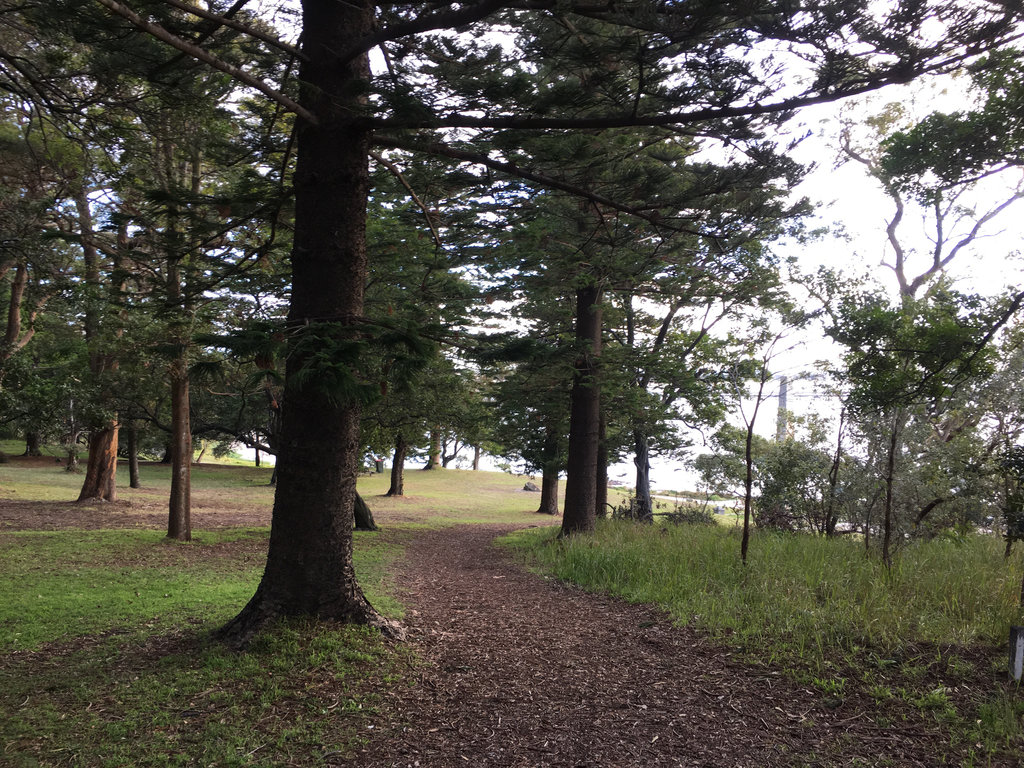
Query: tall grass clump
{"x": 805, "y": 592}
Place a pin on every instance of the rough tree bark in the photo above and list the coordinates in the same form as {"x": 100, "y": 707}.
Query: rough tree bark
{"x": 644, "y": 508}
{"x": 549, "y": 491}
{"x": 580, "y": 507}
{"x": 101, "y": 467}
{"x": 363, "y": 516}
{"x": 179, "y": 506}
{"x": 398, "y": 467}
{"x": 33, "y": 444}
{"x": 434, "y": 452}
{"x": 309, "y": 568}
{"x": 132, "y": 433}
{"x": 549, "y": 474}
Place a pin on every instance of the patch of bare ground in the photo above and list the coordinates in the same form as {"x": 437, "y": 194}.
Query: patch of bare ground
{"x": 524, "y": 671}
{"x": 140, "y": 512}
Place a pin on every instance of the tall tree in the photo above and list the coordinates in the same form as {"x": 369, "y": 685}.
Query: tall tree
{"x": 720, "y": 88}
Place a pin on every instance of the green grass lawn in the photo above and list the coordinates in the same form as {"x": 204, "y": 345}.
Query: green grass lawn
{"x": 106, "y": 655}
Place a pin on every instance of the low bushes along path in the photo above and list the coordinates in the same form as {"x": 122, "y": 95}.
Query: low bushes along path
{"x": 525, "y": 671}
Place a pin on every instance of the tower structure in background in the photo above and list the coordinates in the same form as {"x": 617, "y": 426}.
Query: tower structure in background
{"x": 782, "y": 420}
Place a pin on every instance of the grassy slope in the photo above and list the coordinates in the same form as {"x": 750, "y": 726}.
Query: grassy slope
{"x": 105, "y": 634}
{"x": 107, "y": 660}
{"x": 927, "y": 637}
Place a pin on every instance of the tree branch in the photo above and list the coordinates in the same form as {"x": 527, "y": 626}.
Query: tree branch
{"x": 513, "y": 170}
{"x": 632, "y": 120}
{"x": 225, "y": 21}
{"x": 398, "y": 175}
{"x": 430, "y": 22}
{"x": 208, "y": 58}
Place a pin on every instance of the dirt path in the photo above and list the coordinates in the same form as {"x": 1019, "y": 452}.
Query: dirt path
{"x": 522, "y": 671}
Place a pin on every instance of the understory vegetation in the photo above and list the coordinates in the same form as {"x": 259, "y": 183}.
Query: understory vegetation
{"x": 929, "y": 633}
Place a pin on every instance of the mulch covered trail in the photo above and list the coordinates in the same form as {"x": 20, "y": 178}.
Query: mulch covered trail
{"x": 524, "y": 671}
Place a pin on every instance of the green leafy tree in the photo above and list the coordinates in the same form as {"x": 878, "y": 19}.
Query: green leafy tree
{"x": 711, "y": 86}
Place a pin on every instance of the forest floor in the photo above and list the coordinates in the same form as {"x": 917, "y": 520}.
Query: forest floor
{"x": 521, "y": 670}
{"x": 518, "y": 669}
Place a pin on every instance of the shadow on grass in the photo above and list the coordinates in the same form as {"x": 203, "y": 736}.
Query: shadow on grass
{"x": 300, "y": 695}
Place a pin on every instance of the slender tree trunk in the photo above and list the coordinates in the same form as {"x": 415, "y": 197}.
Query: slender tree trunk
{"x": 16, "y": 296}
{"x": 398, "y": 467}
{"x": 133, "y": 456}
{"x": 890, "y": 485}
{"x": 748, "y": 460}
{"x": 1020, "y": 602}
{"x": 476, "y": 458}
{"x": 641, "y": 460}
{"x": 363, "y": 516}
{"x": 309, "y": 568}
{"x": 71, "y": 464}
{"x": 831, "y": 518}
{"x": 15, "y": 337}
{"x": 580, "y": 512}
{"x": 867, "y": 519}
{"x": 101, "y": 468}
{"x": 74, "y": 431}
{"x": 179, "y": 512}
{"x": 33, "y": 444}
{"x": 748, "y": 490}
{"x": 601, "y": 485}
{"x": 447, "y": 458}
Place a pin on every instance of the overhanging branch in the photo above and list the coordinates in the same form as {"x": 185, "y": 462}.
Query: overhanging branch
{"x": 206, "y": 57}
{"x": 226, "y": 21}
{"x": 511, "y": 169}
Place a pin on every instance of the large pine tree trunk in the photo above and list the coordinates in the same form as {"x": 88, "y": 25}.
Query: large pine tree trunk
{"x": 434, "y": 452}
{"x": 398, "y": 467}
{"x": 363, "y": 516}
{"x": 33, "y": 444}
{"x": 179, "y": 506}
{"x": 101, "y": 469}
{"x": 580, "y": 510}
{"x": 549, "y": 490}
{"x": 309, "y": 568}
{"x": 643, "y": 508}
